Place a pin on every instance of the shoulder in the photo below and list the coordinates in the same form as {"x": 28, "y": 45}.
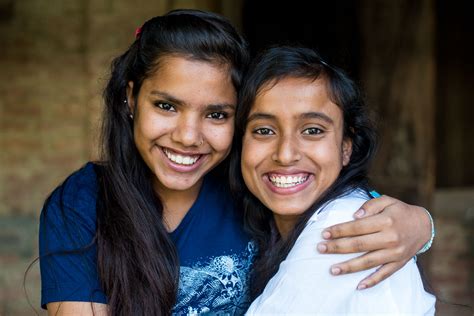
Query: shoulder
{"x": 82, "y": 181}
{"x": 340, "y": 209}
{"x": 303, "y": 283}
{"x": 334, "y": 212}
{"x": 315, "y": 291}
{"x": 73, "y": 202}
{"x": 79, "y": 187}
{"x": 67, "y": 247}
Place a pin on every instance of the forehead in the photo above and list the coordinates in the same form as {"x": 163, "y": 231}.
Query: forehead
{"x": 188, "y": 79}
{"x": 176, "y": 61}
{"x": 293, "y": 96}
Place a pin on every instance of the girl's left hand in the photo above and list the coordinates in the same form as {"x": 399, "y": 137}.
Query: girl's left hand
{"x": 390, "y": 231}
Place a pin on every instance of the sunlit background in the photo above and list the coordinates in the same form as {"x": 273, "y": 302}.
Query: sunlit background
{"x": 413, "y": 58}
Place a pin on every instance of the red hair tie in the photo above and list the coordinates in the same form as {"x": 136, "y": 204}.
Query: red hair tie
{"x": 138, "y": 31}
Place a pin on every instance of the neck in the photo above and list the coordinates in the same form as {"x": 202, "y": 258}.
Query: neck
{"x": 285, "y": 224}
{"x": 176, "y": 203}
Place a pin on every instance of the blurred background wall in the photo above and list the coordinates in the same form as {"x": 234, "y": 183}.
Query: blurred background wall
{"x": 412, "y": 58}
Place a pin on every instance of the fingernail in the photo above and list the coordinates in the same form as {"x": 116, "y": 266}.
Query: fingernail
{"x": 326, "y": 234}
{"x": 335, "y": 270}
{"x": 360, "y": 213}
{"x": 361, "y": 286}
{"x": 322, "y": 247}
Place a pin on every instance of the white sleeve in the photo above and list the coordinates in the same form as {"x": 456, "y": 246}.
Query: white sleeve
{"x": 303, "y": 284}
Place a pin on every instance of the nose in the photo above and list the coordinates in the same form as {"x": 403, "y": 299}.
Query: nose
{"x": 188, "y": 132}
{"x": 287, "y": 151}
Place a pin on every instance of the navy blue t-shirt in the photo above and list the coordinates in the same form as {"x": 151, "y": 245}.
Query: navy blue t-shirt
{"x": 215, "y": 254}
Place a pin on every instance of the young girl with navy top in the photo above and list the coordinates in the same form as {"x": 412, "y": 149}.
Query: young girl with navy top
{"x": 304, "y": 142}
{"x": 151, "y": 228}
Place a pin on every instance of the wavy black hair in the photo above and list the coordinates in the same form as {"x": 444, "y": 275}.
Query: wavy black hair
{"x": 267, "y": 69}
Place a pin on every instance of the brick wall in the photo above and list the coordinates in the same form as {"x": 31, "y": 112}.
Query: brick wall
{"x": 451, "y": 260}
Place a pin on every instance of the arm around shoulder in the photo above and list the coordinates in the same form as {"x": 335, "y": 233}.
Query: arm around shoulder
{"x": 304, "y": 284}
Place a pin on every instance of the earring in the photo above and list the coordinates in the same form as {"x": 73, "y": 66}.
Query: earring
{"x": 130, "y": 115}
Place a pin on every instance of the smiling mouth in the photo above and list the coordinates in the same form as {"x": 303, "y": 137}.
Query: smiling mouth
{"x": 180, "y": 159}
{"x": 287, "y": 181}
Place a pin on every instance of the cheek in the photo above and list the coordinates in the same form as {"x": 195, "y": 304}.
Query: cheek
{"x": 246, "y": 162}
{"x": 328, "y": 157}
{"x": 220, "y": 136}
{"x": 253, "y": 154}
{"x": 150, "y": 127}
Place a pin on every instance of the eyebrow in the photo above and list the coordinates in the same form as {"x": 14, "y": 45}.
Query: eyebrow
{"x": 209, "y": 107}
{"x": 317, "y": 115}
{"x": 307, "y": 115}
{"x": 220, "y": 107}
{"x": 260, "y": 116}
{"x": 167, "y": 96}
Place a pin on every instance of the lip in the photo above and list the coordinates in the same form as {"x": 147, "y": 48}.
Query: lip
{"x": 183, "y": 168}
{"x": 287, "y": 172}
{"x": 183, "y": 153}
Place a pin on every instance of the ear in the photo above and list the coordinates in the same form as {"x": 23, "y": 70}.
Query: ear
{"x": 130, "y": 99}
{"x": 346, "y": 151}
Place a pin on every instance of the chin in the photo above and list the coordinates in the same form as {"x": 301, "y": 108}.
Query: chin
{"x": 288, "y": 211}
{"x": 182, "y": 185}
{"x": 177, "y": 183}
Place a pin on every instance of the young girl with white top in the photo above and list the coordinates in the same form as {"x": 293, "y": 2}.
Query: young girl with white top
{"x": 306, "y": 142}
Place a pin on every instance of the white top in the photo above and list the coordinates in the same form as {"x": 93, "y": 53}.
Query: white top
{"x": 303, "y": 284}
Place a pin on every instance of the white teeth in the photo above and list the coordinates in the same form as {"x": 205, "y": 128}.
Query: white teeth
{"x": 179, "y": 159}
{"x": 286, "y": 182}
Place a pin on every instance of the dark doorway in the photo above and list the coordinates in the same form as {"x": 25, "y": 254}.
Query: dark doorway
{"x": 454, "y": 139}
{"x": 330, "y": 27}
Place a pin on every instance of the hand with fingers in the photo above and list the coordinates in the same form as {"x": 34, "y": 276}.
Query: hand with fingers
{"x": 389, "y": 231}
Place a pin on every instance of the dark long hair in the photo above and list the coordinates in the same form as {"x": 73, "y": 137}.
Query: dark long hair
{"x": 137, "y": 261}
{"x": 271, "y": 66}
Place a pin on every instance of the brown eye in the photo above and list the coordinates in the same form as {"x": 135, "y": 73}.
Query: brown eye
{"x": 165, "y": 106}
{"x": 218, "y": 115}
{"x": 312, "y": 131}
{"x": 264, "y": 131}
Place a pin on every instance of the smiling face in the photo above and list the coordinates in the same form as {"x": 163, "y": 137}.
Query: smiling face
{"x": 183, "y": 121}
{"x": 293, "y": 147}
